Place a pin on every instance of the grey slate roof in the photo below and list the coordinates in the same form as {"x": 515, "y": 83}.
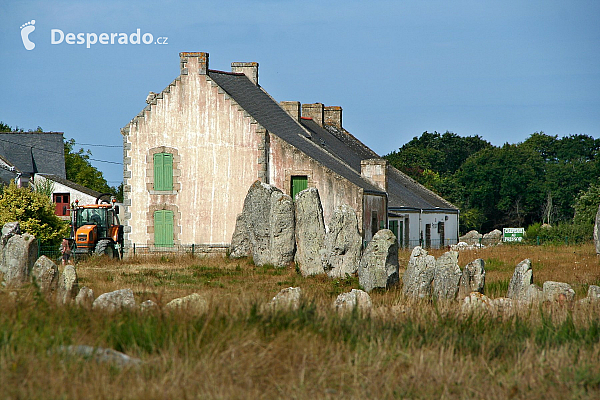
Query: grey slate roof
{"x": 335, "y": 148}
{"x": 273, "y": 118}
{"x": 34, "y": 152}
{"x": 403, "y": 191}
{"x": 71, "y": 184}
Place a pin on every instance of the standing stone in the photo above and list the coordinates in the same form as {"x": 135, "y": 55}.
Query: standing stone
{"x": 597, "y": 232}
{"x": 256, "y": 216}
{"x": 85, "y": 298}
{"x": 310, "y": 232}
{"x": 240, "y": 243}
{"x": 148, "y": 306}
{"x": 193, "y": 303}
{"x": 8, "y": 230}
{"x": 504, "y": 306}
{"x": 117, "y": 300}
{"x": 18, "y": 256}
{"x": 343, "y": 243}
{"x": 593, "y": 293}
{"x": 492, "y": 238}
{"x": 521, "y": 280}
{"x": 533, "y": 294}
{"x": 419, "y": 274}
{"x": 558, "y": 292}
{"x": 477, "y": 302}
{"x": 472, "y": 238}
{"x": 446, "y": 276}
{"x": 288, "y": 299}
{"x": 378, "y": 267}
{"x": 472, "y": 279}
{"x": 45, "y": 274}
{"x": 68, "y": 286}
{"x": 265, "y": 229}
{"x": 283, "y": 241}
{"x": 356, "y": 298}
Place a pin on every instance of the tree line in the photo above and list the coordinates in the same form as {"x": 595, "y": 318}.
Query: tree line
{"x": 544, "y": 180}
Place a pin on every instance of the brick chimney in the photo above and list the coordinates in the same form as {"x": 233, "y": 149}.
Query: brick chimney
{"x": 333, "y": 116}
{"x": 375, "y": 170}
{"x": 250, "y": 69}
{"x": 193, "y": 63}
{"x": 292, "y": 108}
{"x": 314, "y": 111}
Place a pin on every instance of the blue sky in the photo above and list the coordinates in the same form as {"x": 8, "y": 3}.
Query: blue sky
{"x": 499, "y": 69}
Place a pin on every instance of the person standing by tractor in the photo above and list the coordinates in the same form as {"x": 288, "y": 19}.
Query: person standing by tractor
{"x": 65, "y": 249}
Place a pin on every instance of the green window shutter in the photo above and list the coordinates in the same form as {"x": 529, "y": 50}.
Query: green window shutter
{"x": 299, "y": 183}
{"x": 163, "y": 171}
{"x": 163, "y": 228}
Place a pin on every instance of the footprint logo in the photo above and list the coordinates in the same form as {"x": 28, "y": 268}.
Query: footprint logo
{"x": 26, "y": 29}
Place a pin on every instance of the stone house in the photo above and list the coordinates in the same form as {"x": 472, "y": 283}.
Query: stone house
{"x": 192, "y": 153}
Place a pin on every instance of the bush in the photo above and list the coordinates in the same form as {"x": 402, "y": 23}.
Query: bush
{"x": 563, "y": 233}
{"x": 35, "y": 213}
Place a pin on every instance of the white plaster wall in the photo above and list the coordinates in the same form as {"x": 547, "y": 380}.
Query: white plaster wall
{"x": 218, "y": 152}
{"x": 74, "y": 194}
{"x": 417, "y": 222}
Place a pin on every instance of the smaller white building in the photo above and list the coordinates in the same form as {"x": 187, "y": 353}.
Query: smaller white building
{"x": 65, "y": 192}
{"x": 418, "y": 216}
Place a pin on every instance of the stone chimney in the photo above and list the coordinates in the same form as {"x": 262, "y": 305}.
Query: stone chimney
{"x": 375, "y": 170}
{"x": 250, "y": 69}
{"x": 314, "y": 111}
{"x": 193, "y": 63}
{"x": 333, "y": 116}
{"x": 292, "y": 108}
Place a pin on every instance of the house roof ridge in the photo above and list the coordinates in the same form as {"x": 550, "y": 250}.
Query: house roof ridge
{"x": 341, "y": 161}
{"x": 71, "y": 184}
{"x": 269, "y": 114}
{"x": 421, "y": 186}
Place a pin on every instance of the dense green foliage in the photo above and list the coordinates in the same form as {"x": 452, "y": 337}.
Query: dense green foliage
{"x": 544, "y": 179}
{"x": 35, "y": 213}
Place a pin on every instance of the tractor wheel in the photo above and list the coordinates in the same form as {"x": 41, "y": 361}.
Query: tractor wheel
{"x": 105, "y": 247}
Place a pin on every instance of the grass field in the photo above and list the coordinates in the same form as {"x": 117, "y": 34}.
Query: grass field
{"x": 403, "y": 350}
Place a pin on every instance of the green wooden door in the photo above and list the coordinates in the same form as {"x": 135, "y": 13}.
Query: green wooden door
{"x": 163, "y": 228}
{"x": 163, "y": 171}
{"x": 394, "y": 227}
{"x": 299, "y": 183}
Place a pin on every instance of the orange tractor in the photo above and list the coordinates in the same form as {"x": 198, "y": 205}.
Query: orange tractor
{"x": 95, "y": 229}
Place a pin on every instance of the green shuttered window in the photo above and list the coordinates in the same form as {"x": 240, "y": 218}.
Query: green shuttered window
{"x": 299, "y": 183}
{"x": 163, "y": 171}
{"x": 163, "y": 228}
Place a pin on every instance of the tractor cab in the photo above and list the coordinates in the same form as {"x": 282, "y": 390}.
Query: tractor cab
{"x": 95, "y": 228}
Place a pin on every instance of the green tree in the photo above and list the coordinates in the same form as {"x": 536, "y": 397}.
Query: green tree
{"x": 35, "y": 213}
{"x": 81, "y": 171}
{"x": 571, "y": 164}
{"x": 505, "y": 184}
{"x": 442, "y": 153}
{"x": 587, "y": 203}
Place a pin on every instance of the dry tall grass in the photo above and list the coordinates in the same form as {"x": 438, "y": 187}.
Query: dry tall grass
{"x": 403, "y": 350}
